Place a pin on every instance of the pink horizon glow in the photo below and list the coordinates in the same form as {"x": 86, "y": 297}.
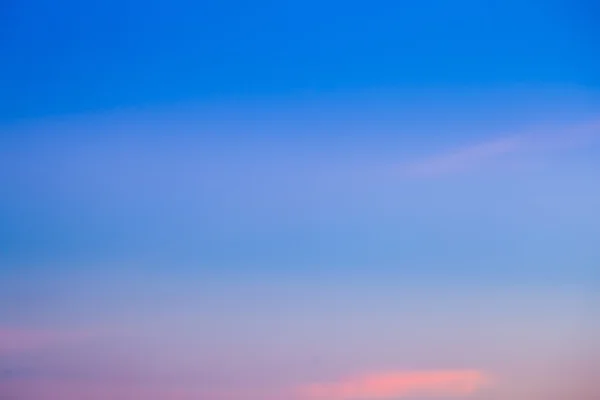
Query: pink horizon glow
{"x": 388, "y": 385}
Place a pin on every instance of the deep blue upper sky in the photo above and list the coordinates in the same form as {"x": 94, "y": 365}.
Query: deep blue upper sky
{"x": 79, "y": 58}
{"x": 70, "y": 56}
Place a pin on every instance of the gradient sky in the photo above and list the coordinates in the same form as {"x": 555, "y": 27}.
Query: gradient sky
{"x": 299, "y": 200}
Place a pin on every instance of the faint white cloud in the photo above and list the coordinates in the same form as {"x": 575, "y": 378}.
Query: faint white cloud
{"x": 464, "y": 158}
{"x": 541, "y": 140}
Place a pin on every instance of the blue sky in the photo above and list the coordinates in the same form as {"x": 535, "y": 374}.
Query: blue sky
{"x": 276, "y": 200}
{"x": 76, "y": 57}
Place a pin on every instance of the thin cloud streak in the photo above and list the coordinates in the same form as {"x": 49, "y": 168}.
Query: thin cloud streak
{"x": 395, "y": 385}
{"x": 463, "y": 158}
{"x": 473, "y": 156}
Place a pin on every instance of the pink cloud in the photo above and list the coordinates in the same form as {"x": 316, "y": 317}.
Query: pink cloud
{"x": 394, "y": 385}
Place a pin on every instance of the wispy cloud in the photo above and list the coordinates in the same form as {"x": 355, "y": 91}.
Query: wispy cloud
{"x": 394, "y": 385}
{"x": 477, "y": 155}
{"x": 464, "y": 158}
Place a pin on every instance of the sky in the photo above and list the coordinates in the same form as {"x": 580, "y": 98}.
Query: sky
{"x": 308, "y": 200}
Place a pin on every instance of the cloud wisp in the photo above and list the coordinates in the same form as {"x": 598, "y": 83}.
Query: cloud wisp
{"x": 464, "y": 158}
{"x": 396, "y": 385}
{"x": 469, "y": 157}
